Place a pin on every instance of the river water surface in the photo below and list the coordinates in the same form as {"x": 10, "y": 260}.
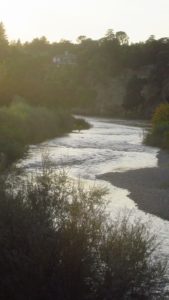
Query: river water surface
{"x": 109, "y": 146}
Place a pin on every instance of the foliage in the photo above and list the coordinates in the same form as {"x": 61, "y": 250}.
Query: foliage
{"x": 22, "y": 124}
{"x": 80, "y": 124}
{"x": 28, "y": 70}
{"x": 57, "y": 242}
{"x": 161, "y": 115}
{"x": 159, "y": 135}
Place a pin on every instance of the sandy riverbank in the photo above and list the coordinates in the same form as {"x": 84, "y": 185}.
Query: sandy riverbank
{"x": 148, "y": 187}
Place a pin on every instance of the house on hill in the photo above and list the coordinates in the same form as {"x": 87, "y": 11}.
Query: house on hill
{"x": 65, "y": 59}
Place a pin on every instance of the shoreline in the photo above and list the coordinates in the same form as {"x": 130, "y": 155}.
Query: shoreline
{"x": 148, "y": 187}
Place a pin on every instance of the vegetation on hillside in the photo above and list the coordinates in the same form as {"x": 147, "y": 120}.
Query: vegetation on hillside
{"x": 57, "y": 242}
{"x": 72, "y": 76}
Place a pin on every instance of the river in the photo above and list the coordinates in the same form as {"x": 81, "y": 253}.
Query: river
{"x": 109, "y": 146}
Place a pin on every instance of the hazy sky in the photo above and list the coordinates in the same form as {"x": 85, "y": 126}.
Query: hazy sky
{"x": 26, "y": 19}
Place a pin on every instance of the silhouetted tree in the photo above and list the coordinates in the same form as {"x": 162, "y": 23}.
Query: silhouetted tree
{"x": 122, "y": 37}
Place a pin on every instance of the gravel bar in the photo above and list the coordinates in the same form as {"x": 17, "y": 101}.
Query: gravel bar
{"x": 148, "y": 187}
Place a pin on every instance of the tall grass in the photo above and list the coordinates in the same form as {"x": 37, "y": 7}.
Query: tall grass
{"x": 58, "y": 243}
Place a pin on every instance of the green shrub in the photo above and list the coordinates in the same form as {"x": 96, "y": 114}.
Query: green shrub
{"x": 161, "y": 115}
{"x": 22, "y": 124}
{"x": 80, "y": 124}
{"x": 159, "y": 134}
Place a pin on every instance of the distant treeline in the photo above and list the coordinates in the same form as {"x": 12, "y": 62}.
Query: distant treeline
{"x": 65, "y": 75}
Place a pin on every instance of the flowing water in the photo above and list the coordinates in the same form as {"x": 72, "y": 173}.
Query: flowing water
{"x": 109, "y": 146}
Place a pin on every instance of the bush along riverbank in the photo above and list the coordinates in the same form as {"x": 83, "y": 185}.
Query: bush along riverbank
{"x": 159, "y": 134}
{"x": 22, "y": 124}
{"x": 58, "y": 242}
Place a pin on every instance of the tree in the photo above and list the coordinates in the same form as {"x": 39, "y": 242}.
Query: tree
{"x": 151, "y": 38}
{"x": 3, "y": 37}
{"x": 81, "y": 38}
{"x": 122, "y": 37}
{"x": 3, "y": 43}
{"x": 110, "y": 35}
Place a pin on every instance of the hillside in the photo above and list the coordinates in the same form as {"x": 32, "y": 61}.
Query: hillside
{"x": 108, "y": 76}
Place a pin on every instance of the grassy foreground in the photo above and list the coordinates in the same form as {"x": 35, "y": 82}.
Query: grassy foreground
{"x": 57, "y": 242}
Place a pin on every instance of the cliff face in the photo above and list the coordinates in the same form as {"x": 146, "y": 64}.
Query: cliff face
{"x": 155, "y": 90}
{"x": 165, "y": 90}
{"x": 137, "y": 91}
{"x": 110, "y": 96}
